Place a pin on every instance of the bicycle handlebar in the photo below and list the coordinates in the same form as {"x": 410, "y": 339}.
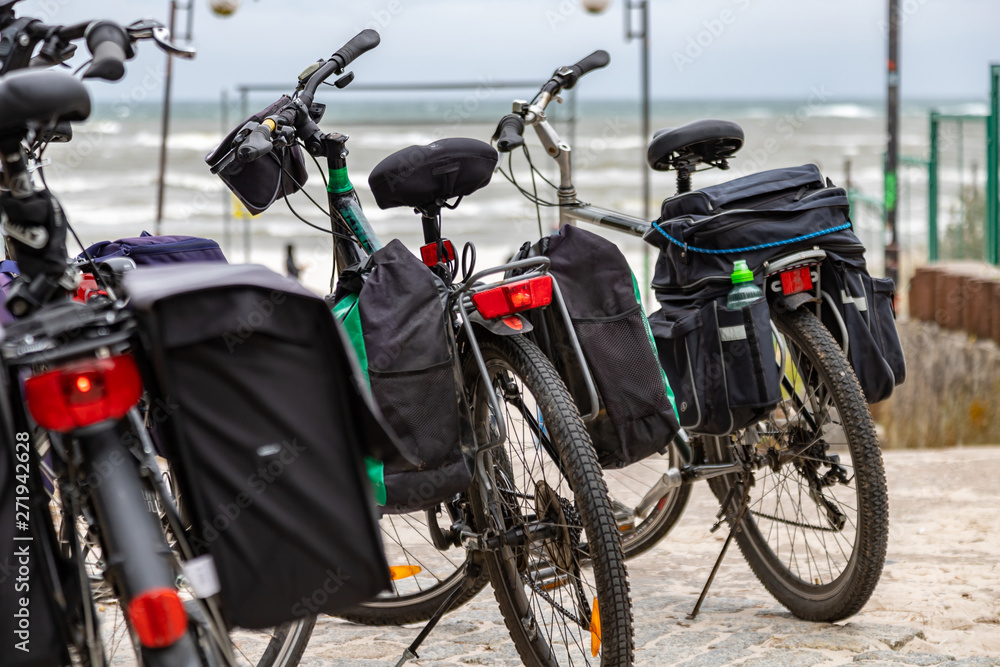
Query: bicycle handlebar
{"x": 510, "y": 133}
{"x": 565, "y": 78}
{"x": 110, "y": 46}
{"x": 364, "y": 41}
{"x": 296, "y": 113}
{"x": 595, "y": 60}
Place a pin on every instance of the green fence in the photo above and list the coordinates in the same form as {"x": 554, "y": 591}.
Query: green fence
{"x": 963, "y": 209}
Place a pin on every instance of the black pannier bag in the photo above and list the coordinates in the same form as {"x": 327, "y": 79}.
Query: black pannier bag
{"x": 266, "y": 428}
{"x": 865, "y": 307}
{"x": 721, "y": 363}
{"x": 759, "y": 218}
{"x": 636, "y": 419}
{"x": 257, "y": 184}
{"x": 396, "y": 314}
{"x": 28, "y": 623}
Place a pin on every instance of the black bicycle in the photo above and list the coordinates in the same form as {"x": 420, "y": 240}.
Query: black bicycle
{"x": 802, "y": 486}
{"x": 536, "y": 521}
{"x": 106, "y": 540}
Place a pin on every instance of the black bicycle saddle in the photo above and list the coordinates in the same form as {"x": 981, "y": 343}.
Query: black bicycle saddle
{"x": 422, "y": 176}
{"x": 708, "y": 141}
{"x": 42, "y": 96}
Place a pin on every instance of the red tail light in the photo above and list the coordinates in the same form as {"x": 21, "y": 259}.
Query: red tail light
{"x": 430, "y": 256}
{"x": 513, "y": 298}
{"x": 796, "y": 280}
{"x": 83, "y": 393}
{"x": 158, "y": 617}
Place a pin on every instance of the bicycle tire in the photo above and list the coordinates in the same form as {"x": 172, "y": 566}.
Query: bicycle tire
{"x": 521, "y": 368}
{"x": 828, "y": 385}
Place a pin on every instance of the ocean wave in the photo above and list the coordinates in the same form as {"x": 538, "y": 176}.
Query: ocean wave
{"x": 185, "y": 141}
{"x": 844, "y": 111}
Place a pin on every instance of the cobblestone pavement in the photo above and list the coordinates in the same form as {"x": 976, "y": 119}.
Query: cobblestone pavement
{"x": 938, "y": 602}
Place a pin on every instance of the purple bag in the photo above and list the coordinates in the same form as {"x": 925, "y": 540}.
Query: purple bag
{"x": 8, "y": 271}
{"x": 146, "y": 250}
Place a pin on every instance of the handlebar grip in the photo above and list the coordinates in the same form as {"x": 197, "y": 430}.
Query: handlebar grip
{"x": 595, "y": 60}
{"x": 257, "y": 145}
{"x": 110, "y": 47}
{"x": 364, "y": 41}
{"x": 510, "y": 133}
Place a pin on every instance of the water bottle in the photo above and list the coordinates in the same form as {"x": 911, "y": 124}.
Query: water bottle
{"x": 744, "y": 292}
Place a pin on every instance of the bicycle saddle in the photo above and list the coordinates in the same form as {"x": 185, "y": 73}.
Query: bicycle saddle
{"x": 42, "y": 96}
{"x": 708, "y": 141}
{"x": 422, "y": 177}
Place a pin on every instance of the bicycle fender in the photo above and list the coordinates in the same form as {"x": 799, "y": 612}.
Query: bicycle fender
{"x": 513, "y": 325}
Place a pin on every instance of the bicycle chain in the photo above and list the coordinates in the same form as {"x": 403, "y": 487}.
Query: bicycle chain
{"x": 558, "y": 607}
{"x": 797, "y": 524}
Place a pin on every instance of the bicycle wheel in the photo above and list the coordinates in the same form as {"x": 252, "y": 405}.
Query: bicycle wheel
{"x": 423, "y": 574}
{"x": 817, "y": 526}
{"x": 628, "y": 486}
{"x": 556, "y": 564}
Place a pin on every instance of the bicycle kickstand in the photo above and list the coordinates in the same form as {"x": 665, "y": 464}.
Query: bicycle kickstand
{"x": 471, "y": 574}
{"x": 740, "y": 512}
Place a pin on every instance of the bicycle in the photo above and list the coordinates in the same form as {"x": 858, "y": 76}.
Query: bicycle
{"x": 536, "y": 520}
{"x": 103, "y": 525}
{"x": 802, "y": 489}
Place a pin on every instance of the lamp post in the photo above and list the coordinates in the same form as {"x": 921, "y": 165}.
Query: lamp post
{"x": 165, "y": 123}
{"x": 640, "y": 32}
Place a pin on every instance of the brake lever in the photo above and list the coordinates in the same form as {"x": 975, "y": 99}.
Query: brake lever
{"x": 156, "y": 31}
{"x": 162, "y": 38}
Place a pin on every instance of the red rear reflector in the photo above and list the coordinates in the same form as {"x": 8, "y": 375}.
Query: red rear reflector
{"x": 158, "y": 617}
{"x": 83, "y": 393}
{"x": 513, "y": 298}
{"x": 796, "y": 280}
{"x": 87, "y": 288}
{"x": 429, "y": 253}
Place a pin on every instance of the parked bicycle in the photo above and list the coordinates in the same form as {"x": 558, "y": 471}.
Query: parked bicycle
{"x": 518, "y": 499}
{"x": 786, "y": 440}
{"x": 91, "y": 522}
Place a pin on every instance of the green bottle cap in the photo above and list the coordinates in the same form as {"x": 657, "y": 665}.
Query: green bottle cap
{"x": 741, "y": 272}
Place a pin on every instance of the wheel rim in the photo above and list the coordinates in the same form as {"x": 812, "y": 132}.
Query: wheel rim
{"x": 554, "y": 603}
{"x": 628, "y": 486}
{"x": 408, "y": 545}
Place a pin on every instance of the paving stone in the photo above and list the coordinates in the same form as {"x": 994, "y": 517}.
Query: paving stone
{"x": 725, "y": 656}
{"x": 977, "y": 661}
{"x": 828, "y": 640}
{"x": 903, "y": 658}
{"x": 893, "y": 636}
{"x": 741, "y": 640}
{"x": 786, "y": 659}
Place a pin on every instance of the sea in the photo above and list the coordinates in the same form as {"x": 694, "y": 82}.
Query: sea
{"x": 107, "y": 176}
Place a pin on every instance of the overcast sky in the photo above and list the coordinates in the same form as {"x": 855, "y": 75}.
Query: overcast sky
{"x": 700, "y": 48}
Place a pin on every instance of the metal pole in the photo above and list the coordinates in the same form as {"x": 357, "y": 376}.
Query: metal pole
{"x": 992, "y": 155}
{"x": 165, "y": 130}
{"x": 933, "y": 250}
{"x": 892, "y": 151}
{"x": 642, "y": 34}
{"x": 226, "y": 207}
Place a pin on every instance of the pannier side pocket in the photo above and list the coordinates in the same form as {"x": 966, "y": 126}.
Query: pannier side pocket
{"x": 883, "y": 326}
{"x": 628, "y": 380}
{"x": 750, "y": 370}
{"x": 846, "y": 286}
